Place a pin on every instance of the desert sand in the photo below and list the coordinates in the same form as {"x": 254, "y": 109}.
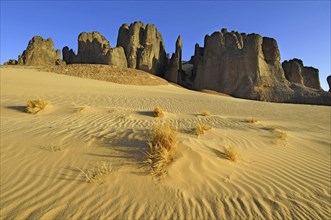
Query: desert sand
{"x": 283, "y": 170}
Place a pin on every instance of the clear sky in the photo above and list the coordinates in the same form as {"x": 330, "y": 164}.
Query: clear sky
{"x": 301, "y": 28}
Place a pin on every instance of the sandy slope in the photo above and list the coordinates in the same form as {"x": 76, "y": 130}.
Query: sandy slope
{"x": 91, "y": 121}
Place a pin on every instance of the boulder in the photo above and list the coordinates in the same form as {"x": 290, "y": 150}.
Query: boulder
{"x": 39, "y": 52}
{"x": 175, "y": 70}
{"x": 328, "y": 79}
{"x": 248, "y": 66}
{"x": 94, "y": 48}
{"x": 296, "y": 72}
{"x": 143, "y": 47}
{"x": 11, "y": 62}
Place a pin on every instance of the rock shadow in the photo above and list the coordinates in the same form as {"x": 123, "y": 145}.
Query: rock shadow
{"x": 146, "y": 113}
{"x": 18, "y": 108}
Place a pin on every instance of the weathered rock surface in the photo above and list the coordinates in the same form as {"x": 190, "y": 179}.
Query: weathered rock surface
{"x": 117, "y": 57}
{"x": 94, "y": 48}
{"x": 11, "y": 62}
{"x": 247, "y": 66}
{"x": 143, "y": 47}
{"x": 68, "y": 55}
{"x": 328, "y": 79}
{"x": 296, "y": 72}
{"x": 175, "y": 69}
{"x": 39, "y": 52}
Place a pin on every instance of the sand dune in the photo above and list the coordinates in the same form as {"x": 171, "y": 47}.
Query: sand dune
{"x": 275, "y": 177}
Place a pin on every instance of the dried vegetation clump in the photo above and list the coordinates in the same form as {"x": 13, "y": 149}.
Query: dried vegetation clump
{"x": 251, "y": 120}
{"x": 35, "y": 106}
{"x": 231, "y": 153}
{"x": 158, "y": 112}
{"x": 161, "y": 148}
{"x": 205, "y": 113}
{"x": 96, "y": 173}
{"x": 200, "y": 128}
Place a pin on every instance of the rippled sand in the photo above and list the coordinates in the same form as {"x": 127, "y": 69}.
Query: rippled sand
{"x": 276, "y": 176}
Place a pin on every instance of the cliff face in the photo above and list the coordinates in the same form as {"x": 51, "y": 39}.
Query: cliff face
{"x": 328, "y": 79}
{"x": 296, "y": 72}
{"x": 241, "y": 65}
{"x": 143, "y": 47}
{"x": 94, "y": 48}
{"x": 39, "y": 52}
{"x": 244, "y": 66}
{"x": 247, "y": 66}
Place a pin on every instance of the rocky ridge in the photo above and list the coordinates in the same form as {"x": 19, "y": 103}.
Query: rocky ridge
{"x": 238, "y": 64}
{"x": 248, "y": 66}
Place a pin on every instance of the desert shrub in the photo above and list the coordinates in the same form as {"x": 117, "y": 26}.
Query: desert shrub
{"x": 161, "y": 148}
{"x": 251, "y": 120}
{"x": 200, "y": 128}
{"x": 95, "y": 174}
{"x": 34, "y": 106}
{"x": 205, "y": 113}
{"x": 231, "y": 153}
{"x": 281, "y": 134}
{"x": 158, "y": 112}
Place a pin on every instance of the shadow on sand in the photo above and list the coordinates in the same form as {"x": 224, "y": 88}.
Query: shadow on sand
{"x": 17, "y": 108}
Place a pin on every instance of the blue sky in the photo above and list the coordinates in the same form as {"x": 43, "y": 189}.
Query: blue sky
{"x": 301, "y": 28}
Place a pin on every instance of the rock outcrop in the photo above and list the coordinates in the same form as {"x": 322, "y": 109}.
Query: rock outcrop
{"x": 39, "y": 52}
{"x": 11, "y": 62}
{"x": 143, "y": 47}
{"x": 117, "y": 57}
{"x": 247, "y": 66}
{"x": 328, "y": 79}
{"x": 175, "y": 64}
{"x": 296, "y": 72}
{"x": 68, "y": 55}
{"x": 94, "y": 48}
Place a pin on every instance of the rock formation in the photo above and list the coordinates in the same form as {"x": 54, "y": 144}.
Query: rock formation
{"x": 175, "y": 64}
{"x": 117, "y": 57}
{"x": 11, "y": 62}
{"x": 247, "y": 66}
{"x": 68, "y": 55}
{"x": 328, "y": 79}
{"x": 143, "y": 47}
{"x": 39, "y": 52}
{"x": 94, "y": 48}
{"x": 296, "y": 72}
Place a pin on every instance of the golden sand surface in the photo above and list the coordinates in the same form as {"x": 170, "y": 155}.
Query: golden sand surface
{"x": 283, "y": 169}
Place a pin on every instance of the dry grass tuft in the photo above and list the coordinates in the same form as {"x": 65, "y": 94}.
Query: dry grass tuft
{"x": 201, "y": 128}
{"x": 205, "y": 113}
{"x": 95, "y": 174}
{"x": 55, "y": 148}
{"x": 158, "y": 112}
{"x": 161, "y": 148}
{"x": 282, "y": 135}
{"x": 34, "y": 106}
{"x": 251, "y": 120}
{"x": 231, "y": 153}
